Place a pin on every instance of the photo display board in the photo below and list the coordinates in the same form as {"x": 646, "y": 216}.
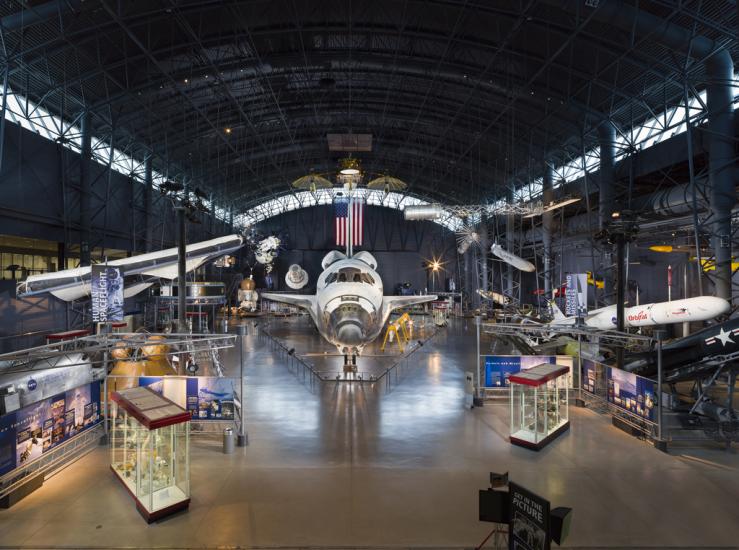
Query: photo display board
{"x": 631, "y": 393}
{"x": 204, "y": 397}
{"x": 589, "y": 376}
{"x": 499, "y": 367}
{"x": 28, "y": 433}
{"x": 106, "y": 293}
{"x": 529, "y": 527}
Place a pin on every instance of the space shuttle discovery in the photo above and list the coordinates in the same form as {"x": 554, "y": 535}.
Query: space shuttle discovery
{"x": 139, "y": 272}
{"x": 700, "y": 308}
{"x": 349, "y": 308}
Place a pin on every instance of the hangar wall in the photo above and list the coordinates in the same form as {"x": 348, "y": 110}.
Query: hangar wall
{"x": 39, "y": 199}
{"x": 399, "y": 246}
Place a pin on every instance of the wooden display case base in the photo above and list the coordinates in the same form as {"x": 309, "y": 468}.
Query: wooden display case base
{"x": 151, "y": 517}
{"x": 544, "y": 442}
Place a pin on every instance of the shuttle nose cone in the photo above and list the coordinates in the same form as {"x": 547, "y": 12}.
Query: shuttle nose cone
{"x": 349, "y": 322}
{"x": 350, "y": 334}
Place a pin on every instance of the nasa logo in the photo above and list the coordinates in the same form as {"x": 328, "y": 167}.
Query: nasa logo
{"x": 641, "y": 316}
{"x": 32, "y": 385}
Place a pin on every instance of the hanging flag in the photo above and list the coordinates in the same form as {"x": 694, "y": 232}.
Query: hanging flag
{"x": 341, "y": 209}
{"x": 358, "y": 223}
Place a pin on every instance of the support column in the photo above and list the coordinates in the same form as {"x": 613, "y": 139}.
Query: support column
{"x": 85, "y": 190}
{"x": 484, "y": 255}
{"x": 510, "y": 245}
{"x": 2, "y": 114}
{"x": 61, "y": 256}
{"x": 721, "y": 164}
{"x": 547, "y": 218}
{"x": 148, "y": 200}
{"x": 231, "y": 221}
{"x": 607, "y": 142}
{"x": 181, "y": 271}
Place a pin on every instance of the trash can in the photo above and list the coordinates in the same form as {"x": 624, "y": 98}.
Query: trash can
{"x": 229, "y": 441}
{"x": 224, "y": 325}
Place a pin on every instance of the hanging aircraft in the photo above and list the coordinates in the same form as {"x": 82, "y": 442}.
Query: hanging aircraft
{"x": 139, "y": 272}
{"x": 349, "y": 308}
{"x": 700, "y": 308}
{"x": 512, "y": 259}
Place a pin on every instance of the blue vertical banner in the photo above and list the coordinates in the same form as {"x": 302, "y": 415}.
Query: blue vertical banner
{"x": 106, "y": 288}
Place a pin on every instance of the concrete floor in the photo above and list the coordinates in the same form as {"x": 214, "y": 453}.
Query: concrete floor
{"x": 352, "y": 466}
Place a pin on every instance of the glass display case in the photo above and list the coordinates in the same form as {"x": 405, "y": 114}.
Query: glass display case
{"x": 539, "y": 405}
{"x": 150, "y": 451}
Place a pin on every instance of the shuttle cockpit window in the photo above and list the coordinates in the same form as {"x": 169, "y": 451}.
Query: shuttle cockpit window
{"x": 350, "y": 275}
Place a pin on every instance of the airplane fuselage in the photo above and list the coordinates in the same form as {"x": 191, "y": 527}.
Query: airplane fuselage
{"x": 700, "y": 308}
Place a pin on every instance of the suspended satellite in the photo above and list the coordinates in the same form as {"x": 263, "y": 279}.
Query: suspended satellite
{"x": 466, "y": 237}
{"x": 512, "y": 259}
{"x": 311, "y": 183}
{"x": 387, "y": 184}
{"x": 296, "y": 277}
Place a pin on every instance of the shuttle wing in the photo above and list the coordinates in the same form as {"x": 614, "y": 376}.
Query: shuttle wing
{"x": 301, "y": 300}
{"x": 390, "y": 303}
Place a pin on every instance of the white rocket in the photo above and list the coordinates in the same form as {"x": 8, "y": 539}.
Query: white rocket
{"x": 349, "y": 308}
{"x": 700, "y": 308}
{"x": 512, "y": 259}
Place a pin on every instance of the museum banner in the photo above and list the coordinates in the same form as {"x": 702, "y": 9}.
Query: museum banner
{"x": 204, "y": 397}
{"x": 529, "y": 520}
{"x": 499, "y": 367}
{"x": 631, "y": 393}
{"x": 28, "y": 433}
{"x": 106, "y": 286}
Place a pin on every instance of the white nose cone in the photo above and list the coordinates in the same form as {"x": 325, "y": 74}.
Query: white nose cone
{"x": 296, "y": 277}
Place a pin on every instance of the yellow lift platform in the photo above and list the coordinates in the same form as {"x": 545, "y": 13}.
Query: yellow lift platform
{"x": 401, "y": 330}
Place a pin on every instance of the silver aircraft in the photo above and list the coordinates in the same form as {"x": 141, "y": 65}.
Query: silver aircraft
{"x": 349, "y": 308}
{"x": 139, "y": 272}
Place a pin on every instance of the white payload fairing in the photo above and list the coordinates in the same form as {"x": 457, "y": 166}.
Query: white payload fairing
{"x": 140, "y": 272}
{"x": 700, "y": 308}
{"x": 349, "y": 308}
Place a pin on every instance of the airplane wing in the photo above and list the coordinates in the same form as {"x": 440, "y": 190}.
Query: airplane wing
{"x": 301, "y": 300}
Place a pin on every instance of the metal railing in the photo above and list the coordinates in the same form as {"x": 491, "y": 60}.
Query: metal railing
{"x": 52, "y": 460}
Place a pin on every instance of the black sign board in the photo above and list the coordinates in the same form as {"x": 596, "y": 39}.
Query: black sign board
{"x": 529, "y": 520}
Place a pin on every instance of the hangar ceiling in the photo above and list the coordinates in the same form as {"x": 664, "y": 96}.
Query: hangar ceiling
{"x": 461, "y": 97}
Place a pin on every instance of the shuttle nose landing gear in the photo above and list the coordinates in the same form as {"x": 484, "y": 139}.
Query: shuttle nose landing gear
{"x": 350, "y": 364}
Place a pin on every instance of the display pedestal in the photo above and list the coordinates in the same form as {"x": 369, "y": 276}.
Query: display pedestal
{"x": 542, "y": 443}
{"x": 660, "y": 445}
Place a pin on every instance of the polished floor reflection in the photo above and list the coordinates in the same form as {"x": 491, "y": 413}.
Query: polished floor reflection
{"x": 353, "y": 465}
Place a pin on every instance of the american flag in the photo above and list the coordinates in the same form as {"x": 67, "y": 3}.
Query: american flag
{"x": 341, "y": 208}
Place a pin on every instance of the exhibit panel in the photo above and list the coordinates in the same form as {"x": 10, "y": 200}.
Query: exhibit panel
{"x": 150, "y": 442}
{"x": 539, "y": 405}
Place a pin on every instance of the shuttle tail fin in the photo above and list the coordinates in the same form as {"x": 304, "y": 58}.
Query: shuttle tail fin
{"x": 556, "y": 312}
